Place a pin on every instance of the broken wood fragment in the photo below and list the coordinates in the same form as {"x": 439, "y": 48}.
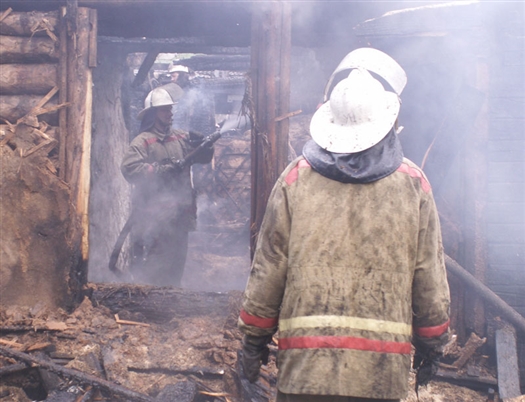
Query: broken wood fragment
{"x": 38, "y": 346}
{"x": 473, "y": 343}
{"x": 288, "y": 115}
{"x": 11, "y": 343}
{"x": 79, "y": 376}
{"x": 51, "y": 143}
{"x": 126, "y": 322}
{"x": 5, "y": 14}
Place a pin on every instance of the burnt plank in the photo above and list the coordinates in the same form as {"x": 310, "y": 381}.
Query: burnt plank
{"x": 507, "y": 361}
{"x": 160, "y": 304}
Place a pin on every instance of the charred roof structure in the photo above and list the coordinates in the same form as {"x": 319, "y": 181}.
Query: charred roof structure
{"x": 74, "y": 74}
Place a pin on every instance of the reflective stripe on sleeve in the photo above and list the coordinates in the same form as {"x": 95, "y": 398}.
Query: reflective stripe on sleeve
{"x": 259, "y": 322}
{"x": 413, "y": 172}
{"x": 431, "y": 332}
{"x": 293, "y": 174}
{"x": 344, "y": 342}
{"x": 335, "y": 321}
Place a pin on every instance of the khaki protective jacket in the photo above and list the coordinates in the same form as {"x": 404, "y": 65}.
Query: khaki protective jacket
{"x": 346, "y": 273}
{"x": 169, "y": 192}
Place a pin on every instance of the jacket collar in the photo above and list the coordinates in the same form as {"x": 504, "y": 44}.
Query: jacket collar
{"x": 366, "y": 166}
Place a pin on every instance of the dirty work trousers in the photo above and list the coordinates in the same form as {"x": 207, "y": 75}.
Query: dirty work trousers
{"x": 326, "y": 398}
{"x": 159, "y": 251}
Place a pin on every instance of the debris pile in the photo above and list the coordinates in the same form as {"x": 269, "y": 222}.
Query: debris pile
{"x": 144, "y": 343}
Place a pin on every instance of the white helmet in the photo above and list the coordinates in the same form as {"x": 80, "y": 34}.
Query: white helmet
{"x": 159, "y": 96}
{"x": 373, "y": 60}
{"x": 177, "y": 68}
{"x": 359, "y": 114}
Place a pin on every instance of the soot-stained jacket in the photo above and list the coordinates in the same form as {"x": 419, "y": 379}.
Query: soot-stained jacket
{"x": 154, "y": 191}
{"x": 347, "y": 271}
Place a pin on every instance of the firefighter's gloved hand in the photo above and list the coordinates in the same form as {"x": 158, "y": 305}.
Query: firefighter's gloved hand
{"x": 426, "y": 367}
{"x": 426, "y": 358}
{"x": 196, "y": 138}
{"x": 255, "y": 352}
{"x": 167, "y": 169}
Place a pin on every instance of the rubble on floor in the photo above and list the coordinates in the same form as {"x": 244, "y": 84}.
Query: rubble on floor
{"x": 129, "y": 355}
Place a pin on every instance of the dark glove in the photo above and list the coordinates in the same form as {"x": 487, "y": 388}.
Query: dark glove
{"x": 426, "y": 358}
{"x": 426, "y": 367}
{"x": 166, "y": 170}
{"x": 254, "y": 353}
{"x": 196, "y": 138}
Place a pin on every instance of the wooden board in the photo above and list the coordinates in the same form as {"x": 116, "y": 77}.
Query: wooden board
{"x": 507, "y": 360}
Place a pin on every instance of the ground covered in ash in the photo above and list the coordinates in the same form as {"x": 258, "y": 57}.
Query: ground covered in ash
{"x": 198, "y": 353}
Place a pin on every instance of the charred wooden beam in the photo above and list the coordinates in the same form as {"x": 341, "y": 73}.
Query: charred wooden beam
{"x": 487, "y": 294}
{"x": 35, "y": 79}
{"x": 477, "y": 383}
{"x": 16, "y": 49}
{"x": 218, "y": 62}
{"x": 12, "y": 368}
{"x": 144, "y": 68}
{"x": 29, "y": 24}
{"x": 160, "y": 304}
{"x": 79, "y": 376}
{"x": 198, "y": 371}
{"x": 170, "y": 45}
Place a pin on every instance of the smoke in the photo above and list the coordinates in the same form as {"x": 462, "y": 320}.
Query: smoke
{"x": 452, "y": 78}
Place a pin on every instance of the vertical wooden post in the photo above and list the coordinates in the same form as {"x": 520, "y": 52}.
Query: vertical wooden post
{"x": 475, "y": 190}
{"x": 270, "y": 77}
{"x": 79, "y": 95}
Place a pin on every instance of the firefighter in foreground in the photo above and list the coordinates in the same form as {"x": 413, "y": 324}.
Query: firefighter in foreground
{"x": 164, "y": 202}
{"x": 348, "y": 265}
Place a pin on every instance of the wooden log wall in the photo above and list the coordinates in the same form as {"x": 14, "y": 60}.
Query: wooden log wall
{"x": 45, "y": 82}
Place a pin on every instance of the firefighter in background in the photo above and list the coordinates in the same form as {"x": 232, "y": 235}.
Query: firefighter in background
{"x": 349, "y": 264}
{"x": 164, "y": 202}
{"x": 196, "y": 110}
